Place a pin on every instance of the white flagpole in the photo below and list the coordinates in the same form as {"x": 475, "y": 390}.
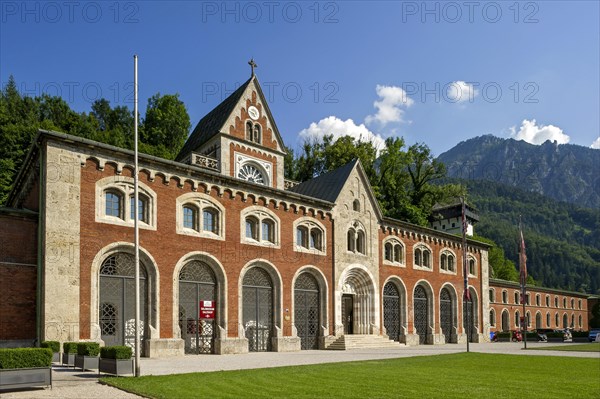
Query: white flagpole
{"x": 135, "y": 218}
{"x": 465, "y": 272}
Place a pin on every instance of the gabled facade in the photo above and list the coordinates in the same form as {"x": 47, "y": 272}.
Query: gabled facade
{"x": 288, "y": 267}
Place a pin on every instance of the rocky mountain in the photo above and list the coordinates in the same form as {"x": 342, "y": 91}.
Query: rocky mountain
{"x": 565, "y": 172}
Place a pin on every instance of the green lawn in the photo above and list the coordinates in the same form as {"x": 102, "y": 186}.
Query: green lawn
{"x": 591, "y": 347}
{"x": 473, "y": 375}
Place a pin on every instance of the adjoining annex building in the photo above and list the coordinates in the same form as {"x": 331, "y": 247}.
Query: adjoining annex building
{"x": 289, "y": 266}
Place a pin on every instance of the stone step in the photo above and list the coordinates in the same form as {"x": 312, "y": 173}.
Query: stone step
{"x": 360, "y": 341}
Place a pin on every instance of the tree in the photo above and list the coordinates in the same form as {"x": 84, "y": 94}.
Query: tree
{"x": 165, "y": 127}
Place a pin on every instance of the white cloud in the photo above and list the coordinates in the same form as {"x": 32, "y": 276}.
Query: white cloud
{"x": 460, "y": 91}
{"x": 534, "y": 134}
{"x": 392, "y": 98}
{"x": 337, "y": 128}
{"x": 596, "y": 144}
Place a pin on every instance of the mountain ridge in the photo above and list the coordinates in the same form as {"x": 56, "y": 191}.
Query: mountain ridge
{"x": 564, "y": 172}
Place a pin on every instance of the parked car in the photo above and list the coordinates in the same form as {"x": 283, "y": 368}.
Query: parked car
{"x": 593, "y": 334}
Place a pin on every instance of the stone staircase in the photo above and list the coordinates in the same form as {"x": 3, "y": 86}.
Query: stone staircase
{"x": 358, "y": 341}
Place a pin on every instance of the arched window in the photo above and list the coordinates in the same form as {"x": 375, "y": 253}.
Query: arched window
{"x": 356, "y": 205}
{"x": 528, "y": 299}
{"x": 309, "y": 236}
{"x": 492, "y": 318}
{"x": 556, "y": 302}
{"x": 356, "y": 237}
{"x": 548, "y": 319}
{"x": 210, "y": 220}
{"x": 316, "y": 239}
{"x": 398, "y": 253}
{"x": 200, "y": 215}
{"x": 418, "y": 257}
{"x": 260, "y": 227}
{"x": 142, "y": 208}
{"x": 252, "y": 228}
{"x": 556, "y": 320}
{"x": 114, "y": 203}
{"x": 565, "y": 303}
{"x": 472, "y": 268}
{"x": 249, "y": 130}
{"x": 351, "y": 240}
{"x": 389, "y": 252}
{"x": 580, "y": 321}
{"x": 580, "y": 306}
{"x": 268, "y": 230}
{"x": 447, "y": 261}
{"x": 572, "y": 303}
{"x": 256, "y": 135}
{"x": 422, "y": 256}
{"x": 548, "y": 300}
{"x": 190, "y": 217}
{"x": 360, "y": 242}
{"x": 517, "y": 319}
{"x": 517, "y": 297}
{"x": 504, "y": 296}
{"x": 302, "y": 236}
{"x": 538, "y": 300}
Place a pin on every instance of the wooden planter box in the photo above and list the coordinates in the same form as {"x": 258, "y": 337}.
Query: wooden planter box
{"x": 86, "y": 362}
{"x": 68, "y": 359}
{"x": 25, "y": 378}
{"x": 116, "y": 366}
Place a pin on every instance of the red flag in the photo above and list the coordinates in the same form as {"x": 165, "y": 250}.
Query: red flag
{"x": 522, "y": 264}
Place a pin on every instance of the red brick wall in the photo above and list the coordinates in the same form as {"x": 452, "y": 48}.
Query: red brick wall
{"x": 436, "y": 279}
{"x": 167, "y": 247}
{"x": 18, "y": 276}
{"x": 512, "y": 307}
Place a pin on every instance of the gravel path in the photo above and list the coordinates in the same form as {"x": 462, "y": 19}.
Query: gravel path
{"x": 69, "y": 383}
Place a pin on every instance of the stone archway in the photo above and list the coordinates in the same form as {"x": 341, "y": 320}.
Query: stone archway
{"x": 358, "y": 302}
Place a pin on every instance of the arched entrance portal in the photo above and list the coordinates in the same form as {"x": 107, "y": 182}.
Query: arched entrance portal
{"x": 470, "y": 316}
{"x": 446, "y": 314}
{"x": 197, "y": 283}
{"x": 391, "y": 310}
{"x": 257, "y": 292}
{"x": 117, "y": 300}
{"x": 421, "y": 312}
{"x": 306, "y": 310}
{"x": 358, "y": 302}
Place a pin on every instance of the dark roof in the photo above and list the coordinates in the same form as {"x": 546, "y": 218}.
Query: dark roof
{"x": 209, "y": 126}
{"x": 327, "y": 186}
{"x": 453, "y": 210}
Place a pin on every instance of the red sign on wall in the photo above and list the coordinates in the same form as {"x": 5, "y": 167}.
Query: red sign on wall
{"x": 207, "y": 310}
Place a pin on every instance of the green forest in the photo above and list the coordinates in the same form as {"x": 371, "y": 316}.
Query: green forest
{"x": 562, "y": 239}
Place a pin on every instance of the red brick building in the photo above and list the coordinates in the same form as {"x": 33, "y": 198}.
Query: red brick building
{"x": 287, "y": 266}
{"x": 545, "y": 308}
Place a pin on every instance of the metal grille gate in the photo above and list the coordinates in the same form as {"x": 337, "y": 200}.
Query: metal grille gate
{"x": 469, "y": 327}
{"x": 446, "y": 317}
{"x": 117, "y": 301}
{"x": 421, "y": 312}
{"x": 306, "y": 310}
{"x": 391, "y": 311}
{"x": 258, "y": 309}
{"x": 196, "y": 283}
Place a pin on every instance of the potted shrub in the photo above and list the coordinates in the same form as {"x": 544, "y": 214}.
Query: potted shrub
{"x": 87, "y": 355}
{"x": 25, "y": 367}
{"x": 69, "y": 352}
{"x": 116, "y": 360}
{"x": 55, "y": 346}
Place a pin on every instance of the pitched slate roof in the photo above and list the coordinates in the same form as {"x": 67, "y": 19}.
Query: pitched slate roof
{"x": 209, "y": 126}
{"x": 327, "y": 186}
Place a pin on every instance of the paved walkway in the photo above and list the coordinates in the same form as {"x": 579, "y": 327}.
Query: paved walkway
{"x": 76, "y": 384}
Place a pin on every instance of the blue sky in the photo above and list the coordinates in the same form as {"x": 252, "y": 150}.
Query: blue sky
{"x": 433, "y": 72}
